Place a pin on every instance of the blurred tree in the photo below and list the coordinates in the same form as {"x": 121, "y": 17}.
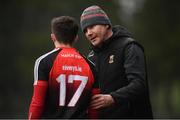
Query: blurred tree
{"x": 158, "y": 28}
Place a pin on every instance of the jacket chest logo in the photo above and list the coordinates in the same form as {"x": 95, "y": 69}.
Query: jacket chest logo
{"x": 111, "y": 59}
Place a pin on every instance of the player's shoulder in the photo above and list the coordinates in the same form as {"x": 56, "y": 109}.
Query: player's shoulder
{"x": 48, "y": 55}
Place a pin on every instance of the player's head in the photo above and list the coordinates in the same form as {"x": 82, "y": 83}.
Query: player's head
{"x": 65, "y": 29}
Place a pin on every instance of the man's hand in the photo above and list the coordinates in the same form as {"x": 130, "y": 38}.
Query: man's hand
{"x": 101, "y": 100}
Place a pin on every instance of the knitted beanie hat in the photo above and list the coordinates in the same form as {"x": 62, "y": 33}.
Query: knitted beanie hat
{"x": 93, "y": 15}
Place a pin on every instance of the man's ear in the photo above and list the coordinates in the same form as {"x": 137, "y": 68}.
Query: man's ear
{"x": 53, "y": 37}
{"x": 107, "y": 26}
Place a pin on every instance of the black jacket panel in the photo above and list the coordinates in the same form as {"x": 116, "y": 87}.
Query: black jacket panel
{"x": 121, "y": 67}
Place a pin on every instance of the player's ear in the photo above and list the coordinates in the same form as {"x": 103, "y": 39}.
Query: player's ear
{"x": 53, "y": 37}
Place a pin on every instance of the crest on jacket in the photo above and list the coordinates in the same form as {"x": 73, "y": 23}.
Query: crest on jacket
{"x": 111, "y": 59}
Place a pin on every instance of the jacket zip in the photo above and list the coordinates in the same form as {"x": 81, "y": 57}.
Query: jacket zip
{"x": 98, "y": 66}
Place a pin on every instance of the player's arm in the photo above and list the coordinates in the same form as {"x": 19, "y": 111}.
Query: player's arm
{"x": 41, "y": 75}
{"x": 93, "y": 113}
{"x": 38, "y": 100}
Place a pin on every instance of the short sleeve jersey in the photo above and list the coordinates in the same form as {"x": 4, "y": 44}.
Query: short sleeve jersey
{"x": 70, "y": 82}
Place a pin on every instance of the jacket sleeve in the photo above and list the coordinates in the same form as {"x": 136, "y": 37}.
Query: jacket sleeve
{"x": 135, "y": 70}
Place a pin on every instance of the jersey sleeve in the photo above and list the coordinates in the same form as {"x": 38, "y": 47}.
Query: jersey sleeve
{"x": 41, "y": 73}
{"x": 41, "y": 70}
{"x": 38, "y": 99}
{"x": 93, "y": 113}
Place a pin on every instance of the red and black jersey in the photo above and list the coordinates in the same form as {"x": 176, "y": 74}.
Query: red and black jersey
{"x": 63, "y": 85}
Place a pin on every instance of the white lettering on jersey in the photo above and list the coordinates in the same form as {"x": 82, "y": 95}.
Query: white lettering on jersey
{"x": 71, "y": 56}
{"x": 71, "y": 68}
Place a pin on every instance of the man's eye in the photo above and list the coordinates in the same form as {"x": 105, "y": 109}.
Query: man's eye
{"x": 85, "y": 30}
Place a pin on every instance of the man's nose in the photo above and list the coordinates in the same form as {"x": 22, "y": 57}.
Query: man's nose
{"x": 89, "y": 32}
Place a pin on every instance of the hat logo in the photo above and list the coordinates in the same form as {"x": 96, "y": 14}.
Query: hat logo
{"x": 111, "y": 59}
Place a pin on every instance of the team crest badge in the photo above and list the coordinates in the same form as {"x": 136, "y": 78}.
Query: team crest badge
{"x": 111, "y": 59}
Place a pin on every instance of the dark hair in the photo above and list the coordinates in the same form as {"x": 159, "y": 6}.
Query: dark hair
{"x": 65, "y": 29}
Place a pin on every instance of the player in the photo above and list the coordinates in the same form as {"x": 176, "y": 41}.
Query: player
{"x": 63, "y": 78}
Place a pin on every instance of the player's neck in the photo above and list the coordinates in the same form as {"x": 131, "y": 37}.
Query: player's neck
{"x": 61, "y": 45}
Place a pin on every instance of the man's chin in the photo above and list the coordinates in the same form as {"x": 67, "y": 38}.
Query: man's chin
{"x": 94, "y": 44}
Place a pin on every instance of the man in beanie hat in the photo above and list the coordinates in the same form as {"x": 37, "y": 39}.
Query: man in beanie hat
{"x": 121, "y": 65}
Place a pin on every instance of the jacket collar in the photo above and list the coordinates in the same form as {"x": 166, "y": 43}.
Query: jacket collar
{"x": 118, "y": 31}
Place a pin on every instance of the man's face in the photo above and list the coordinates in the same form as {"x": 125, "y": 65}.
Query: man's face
{"x": 96, "y": 34}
